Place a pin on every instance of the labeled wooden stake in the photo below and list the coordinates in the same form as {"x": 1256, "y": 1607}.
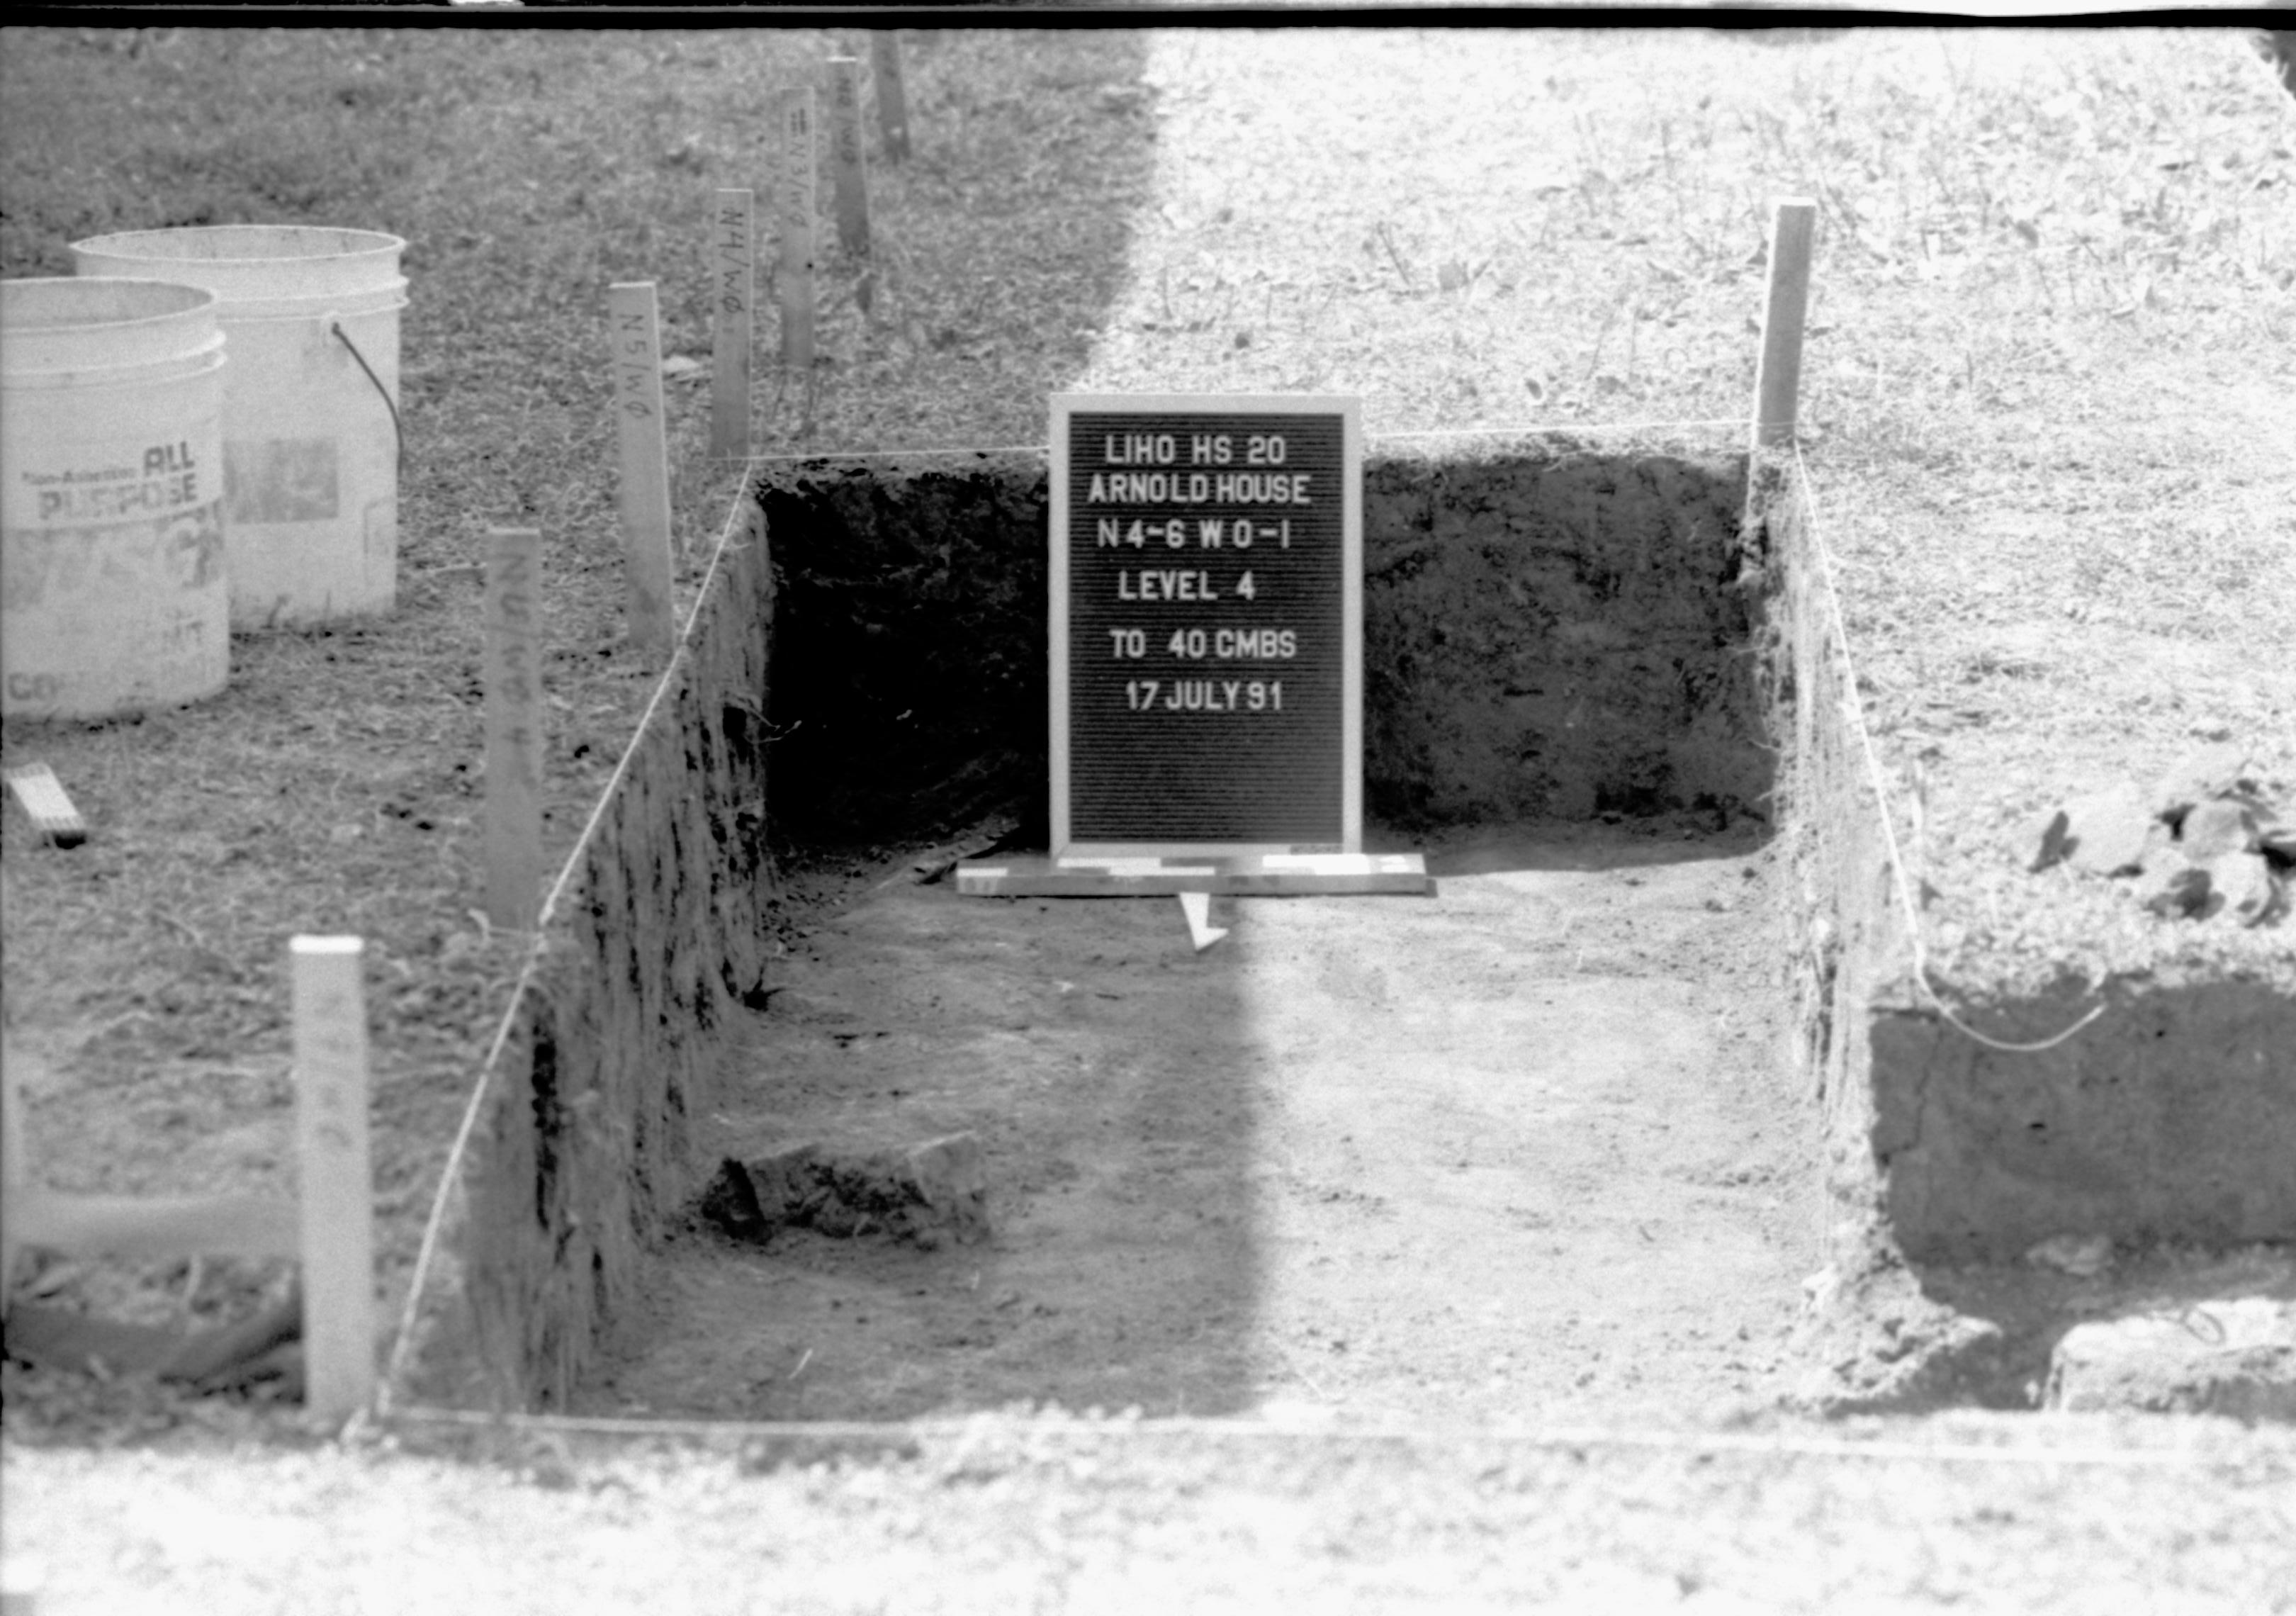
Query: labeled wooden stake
{"x": 336, "y": 1193}
{"x": 1777, "y": 383}
{"x": 733, "y": 268}
{"x": 892, "y": 98}
{"x": 635, "y": 319}
{"x": 849, "y": 174}
{"x": 513, "y": 684}
{"x": 798, "y": 205}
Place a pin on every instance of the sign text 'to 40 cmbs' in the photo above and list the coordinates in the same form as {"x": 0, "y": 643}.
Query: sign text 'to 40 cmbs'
{"x": 1206, "y": 624}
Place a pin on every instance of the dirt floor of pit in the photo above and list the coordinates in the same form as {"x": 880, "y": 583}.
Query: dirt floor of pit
{"x": 1524, "y": 1148}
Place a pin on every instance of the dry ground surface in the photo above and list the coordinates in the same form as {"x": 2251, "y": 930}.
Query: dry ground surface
{"x": 2050, "y": 352}
{"x": 1521, "y": 1147}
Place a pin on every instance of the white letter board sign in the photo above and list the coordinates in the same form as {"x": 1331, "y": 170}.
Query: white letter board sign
{"x": 1206, "y": 624}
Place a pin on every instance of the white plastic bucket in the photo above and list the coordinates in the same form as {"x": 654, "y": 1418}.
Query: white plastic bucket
{"x": 310, "y": 406}
{"x": 112, "y": 593}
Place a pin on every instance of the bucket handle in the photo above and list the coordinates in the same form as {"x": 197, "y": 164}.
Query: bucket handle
{"x": 398, "y": 431}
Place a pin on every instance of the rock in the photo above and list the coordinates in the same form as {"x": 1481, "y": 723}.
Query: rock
{"x": 2174, "y": 888}
{"x": 2236, "y": 884}
{"x": 929, "y": 1193}
{"x": 2105, "y": 829}
{"x": 950, "y": 1176}
{"x": 785, "y": 1180}
{"x": 2212, "y": 771}
{"x": 2234, "y": 1356}
{"x": 2246, "y": 883}
{"x": 2216, "y": 827}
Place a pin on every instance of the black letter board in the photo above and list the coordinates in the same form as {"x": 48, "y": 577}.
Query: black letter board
{"x": 1206, "y": 624}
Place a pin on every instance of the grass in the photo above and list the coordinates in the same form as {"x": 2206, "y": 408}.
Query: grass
{"x": 2045, "y": 400}
{"x": 336, "y": 785}
{"x": 2049, "y": 351}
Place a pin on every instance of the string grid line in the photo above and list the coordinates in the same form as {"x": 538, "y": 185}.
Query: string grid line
{"x": 450, "y": 1181}
{"x": 1534, "y": 430}
{"x": 1246, "y": 1428}
{"x": 1899, "y": 882}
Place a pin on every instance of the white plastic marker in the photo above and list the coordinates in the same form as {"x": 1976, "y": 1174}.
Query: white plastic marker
{"x": 633, "y": 316}
{"x": 734, "y": 300}
{"x": 892, "y": 98}
{"x": 1777, "y": 383}
{"x": 514, "y": 685}
{"x": 797, "y": 204}
{"x": 41, "y": 795}
{"x": 337, "y": 1192}
{"x": 1198, "y": 907}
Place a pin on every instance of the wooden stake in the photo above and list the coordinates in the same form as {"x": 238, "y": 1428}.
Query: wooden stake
{"x": 20, "y": 1583}
{"x": 337, "y": 1185}
{"x": 153, "y": 1226}
{"x": 513, "y": 682}
{"x": 892, "y": 98}
{"x": 41, "y": 795}
{"x": 1777, "y": 383}
{"x": 797, "y": 206}
{"x": 632, "y": 314}
{"x": 848, "y": 172}
{"x": 15, "y": 1173}
{"x": 734, "y": 269}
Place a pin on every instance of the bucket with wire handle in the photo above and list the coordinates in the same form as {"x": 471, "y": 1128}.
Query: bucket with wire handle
{"x": 311, "y": 428}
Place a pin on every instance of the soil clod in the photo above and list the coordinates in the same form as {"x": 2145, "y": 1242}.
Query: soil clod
{"x": 930, "y": 1193}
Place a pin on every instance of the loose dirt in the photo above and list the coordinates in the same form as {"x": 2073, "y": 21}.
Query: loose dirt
{"x": 1521, "y": 1149}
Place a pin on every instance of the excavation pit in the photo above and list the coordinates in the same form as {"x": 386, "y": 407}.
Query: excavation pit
{"x": 1568, "y": 1137}
{"x": 1519, "y": 1146}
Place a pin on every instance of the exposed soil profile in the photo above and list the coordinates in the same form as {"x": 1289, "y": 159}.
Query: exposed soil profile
{"x": 1549, "y": 632}
{"x": 1525, "y": 1147}
{"x": 1519, "y": 1150}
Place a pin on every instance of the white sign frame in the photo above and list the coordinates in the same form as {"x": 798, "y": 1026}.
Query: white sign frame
{"x": 1348, "y": 409}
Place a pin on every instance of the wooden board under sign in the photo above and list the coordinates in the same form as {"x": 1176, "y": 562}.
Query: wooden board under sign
{"x": 1272, "y": 875}
{"x": 1207, "y": 610}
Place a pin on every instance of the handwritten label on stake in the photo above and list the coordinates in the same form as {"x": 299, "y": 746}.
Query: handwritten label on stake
{"x": 848, "y": 173}
{"x": 632, "y": 317}
{"x": 733, "y": 269}
{"x": 892, "y": 96}
{"x": 798, "y": 205}
{"x": 336, "y": 1186}
{"x": 513, "y": 684}
{"x": 1207, "y": 656}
